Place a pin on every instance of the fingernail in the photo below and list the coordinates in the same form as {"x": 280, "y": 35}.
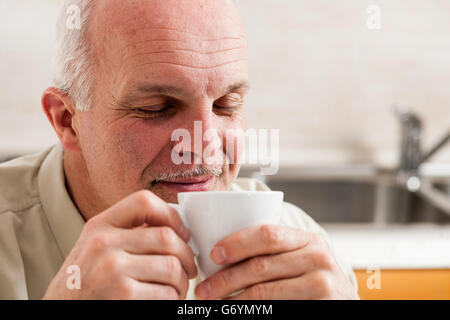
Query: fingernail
{"x": 218, "y": 255}
{"x": 203, "y": 290}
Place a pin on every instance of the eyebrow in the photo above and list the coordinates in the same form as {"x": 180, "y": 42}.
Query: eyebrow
{"x": 172, "y": 90}
{"x": 239, "y": 86}
{"x": 133, "y": 95}
{"x": 169, "y": 90}
{"x": 161, "y": 89}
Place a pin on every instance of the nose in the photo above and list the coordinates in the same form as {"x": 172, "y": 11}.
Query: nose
{"x": 201, "y": 142}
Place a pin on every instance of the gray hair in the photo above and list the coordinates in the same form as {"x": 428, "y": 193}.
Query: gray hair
{"x": 74, "y": 58}
{"x": 195, "y": 172}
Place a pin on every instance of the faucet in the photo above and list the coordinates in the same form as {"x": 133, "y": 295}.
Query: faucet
{"x": 411, "y": 155}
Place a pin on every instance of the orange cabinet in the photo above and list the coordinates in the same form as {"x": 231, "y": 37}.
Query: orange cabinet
{"x": 404, "y": 284}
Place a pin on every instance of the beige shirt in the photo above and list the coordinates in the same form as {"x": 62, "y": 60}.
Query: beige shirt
{"x": 39, "y": 224}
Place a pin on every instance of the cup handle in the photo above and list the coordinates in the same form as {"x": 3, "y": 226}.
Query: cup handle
{"x": 183, "y": 218}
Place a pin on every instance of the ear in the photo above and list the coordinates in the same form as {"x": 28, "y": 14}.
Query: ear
{"x": 60, "y": 111}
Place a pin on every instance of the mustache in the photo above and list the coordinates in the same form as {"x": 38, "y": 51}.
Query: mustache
{"x": 195, "y": 172}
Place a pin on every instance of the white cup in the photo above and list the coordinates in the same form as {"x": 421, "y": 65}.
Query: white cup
{"x": 213, "y": 215}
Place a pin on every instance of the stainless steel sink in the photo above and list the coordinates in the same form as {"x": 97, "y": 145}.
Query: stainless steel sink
{"x": 361, "y": 196}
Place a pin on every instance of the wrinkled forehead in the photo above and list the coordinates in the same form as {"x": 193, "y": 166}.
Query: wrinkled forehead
{"x": 197, "y": 23}
{"x": 166, "y": 34}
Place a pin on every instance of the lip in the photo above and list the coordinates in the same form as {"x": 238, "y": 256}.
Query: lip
{"x": 190, "y": 185}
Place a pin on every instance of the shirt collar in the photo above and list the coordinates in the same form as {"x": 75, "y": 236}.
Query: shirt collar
{"x": 64, "y": 219}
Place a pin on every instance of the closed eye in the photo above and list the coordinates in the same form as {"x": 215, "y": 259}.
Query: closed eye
{"x": 225, "y": 111}
{"x": 155, "y": 112}
{"x": 229, "y": 104}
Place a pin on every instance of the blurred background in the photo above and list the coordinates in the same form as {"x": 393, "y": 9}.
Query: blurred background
{"x": 326, "y": 73}
{"x": 327, "y": 81}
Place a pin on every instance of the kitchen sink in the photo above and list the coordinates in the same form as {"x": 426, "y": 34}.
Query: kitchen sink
{"x": 357, "y": 196}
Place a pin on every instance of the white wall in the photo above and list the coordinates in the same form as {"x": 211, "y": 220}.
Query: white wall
{"x": 329, "y": 82}
{"x": 318, "y": 74}
{"x": 26, "y": 43}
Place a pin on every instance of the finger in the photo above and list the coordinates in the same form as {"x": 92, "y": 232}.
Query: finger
{"x": 260, "y": 240}
{"x": 152, "y": 291}
{"x": 144, "y": 207}
{"x": 300, "y": 288}
{"x": 263, "y": 269}
{"x": 159, "y": 241}
{"x": 166, "y": 270}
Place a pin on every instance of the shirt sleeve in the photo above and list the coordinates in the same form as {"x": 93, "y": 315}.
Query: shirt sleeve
{"x": 294, "y": 217}
{"x": 12, "y": 275}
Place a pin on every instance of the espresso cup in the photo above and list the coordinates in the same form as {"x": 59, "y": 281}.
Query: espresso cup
{"x": 213, "y": 215}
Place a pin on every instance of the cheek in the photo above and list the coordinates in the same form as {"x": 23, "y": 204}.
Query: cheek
{"x": 118, "y": 152}
{"x": 137, "y": 145}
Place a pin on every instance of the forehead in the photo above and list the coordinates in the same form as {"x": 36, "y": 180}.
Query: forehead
{"x": 210, "y": 18}
{"x": 171, "y": 39}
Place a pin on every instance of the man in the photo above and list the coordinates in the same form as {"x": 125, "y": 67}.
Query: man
{"x": 131, "y": 73}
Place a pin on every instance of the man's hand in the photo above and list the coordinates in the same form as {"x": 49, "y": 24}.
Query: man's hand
{"x": 134, "y": 250}
{"x": 276, "y": 262}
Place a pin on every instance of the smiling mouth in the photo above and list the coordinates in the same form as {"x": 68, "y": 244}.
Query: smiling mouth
{"x": 202, "y": 183}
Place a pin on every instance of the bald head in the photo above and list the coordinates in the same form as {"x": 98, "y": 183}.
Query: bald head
{"x": 149, "y": 35}
{"x": 209, "y": 19}
{"x": 108, "y": 24}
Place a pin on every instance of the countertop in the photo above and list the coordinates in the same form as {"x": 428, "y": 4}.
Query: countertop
{"x": 417, "y": 246}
